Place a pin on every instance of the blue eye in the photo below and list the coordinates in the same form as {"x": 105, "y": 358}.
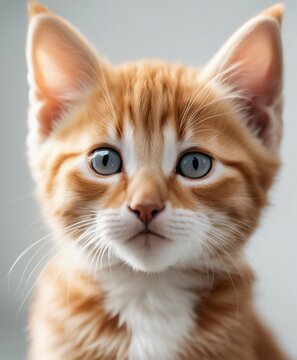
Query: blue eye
{"x": 106, "y": 161}
{"x": 194, "y": 165}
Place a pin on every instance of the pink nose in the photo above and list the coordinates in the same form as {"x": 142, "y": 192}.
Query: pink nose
{"x": 146, "y": 212}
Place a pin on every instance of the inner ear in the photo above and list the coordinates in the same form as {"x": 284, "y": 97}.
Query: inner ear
{"x": 257, "y": 58}
{"x": 258, "y": 78}
{"x": 250, "y": 66}
{"x": 258, "y": 119}
{"x": 62, "y": 67}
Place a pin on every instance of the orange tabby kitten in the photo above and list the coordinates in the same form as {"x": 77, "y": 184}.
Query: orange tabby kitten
{"x": 151, "y": 177}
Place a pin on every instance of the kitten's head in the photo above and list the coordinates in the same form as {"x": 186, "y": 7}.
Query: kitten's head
{"x": 151, "y": 164}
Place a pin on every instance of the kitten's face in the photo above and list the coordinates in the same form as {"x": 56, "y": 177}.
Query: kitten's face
{"x": 153, "y": 166}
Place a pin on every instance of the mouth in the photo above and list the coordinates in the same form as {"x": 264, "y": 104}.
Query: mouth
{"x": 147, "y": 238}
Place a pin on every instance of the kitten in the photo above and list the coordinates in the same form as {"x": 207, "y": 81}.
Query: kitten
{"x": 152, "y": 176}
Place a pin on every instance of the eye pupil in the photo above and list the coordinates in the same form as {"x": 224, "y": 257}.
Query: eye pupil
{"x": 195, "y": 163}
{"x": 105, "y": 159}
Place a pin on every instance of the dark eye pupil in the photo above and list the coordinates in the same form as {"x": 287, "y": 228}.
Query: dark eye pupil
{"x": 105, "y": 159}
{"x": 195, "y": 163}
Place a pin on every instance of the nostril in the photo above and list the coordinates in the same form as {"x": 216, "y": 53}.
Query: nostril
{"x": 154, "y": 213}
{"x": 135, "y": 211}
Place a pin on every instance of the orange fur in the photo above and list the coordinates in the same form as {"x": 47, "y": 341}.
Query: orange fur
{"x": 69, "y": 318}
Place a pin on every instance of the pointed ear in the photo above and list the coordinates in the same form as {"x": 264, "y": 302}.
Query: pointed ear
{"x": 250, "y": 64}
{"x": 61, "y": 67}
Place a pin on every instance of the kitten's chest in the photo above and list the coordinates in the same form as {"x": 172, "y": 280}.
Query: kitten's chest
{"x": 158, "y": 313}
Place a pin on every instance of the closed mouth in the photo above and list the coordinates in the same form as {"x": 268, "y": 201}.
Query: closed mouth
{"x": 146, "y": 233}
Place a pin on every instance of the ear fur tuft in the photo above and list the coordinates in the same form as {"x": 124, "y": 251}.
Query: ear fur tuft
{"x": 34, "y": 8}
{"x": 276, "y": 11}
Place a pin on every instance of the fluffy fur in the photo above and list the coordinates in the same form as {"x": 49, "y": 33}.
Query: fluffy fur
{"x": 186, "y": 293}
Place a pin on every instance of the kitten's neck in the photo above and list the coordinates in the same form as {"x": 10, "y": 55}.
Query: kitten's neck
{"x": 158, "y": 310}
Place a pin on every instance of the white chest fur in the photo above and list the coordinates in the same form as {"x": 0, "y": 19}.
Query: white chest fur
{"x": 158, "y": 310}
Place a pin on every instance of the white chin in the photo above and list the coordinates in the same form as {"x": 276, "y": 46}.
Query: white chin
{"x": 147, "y": 253}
